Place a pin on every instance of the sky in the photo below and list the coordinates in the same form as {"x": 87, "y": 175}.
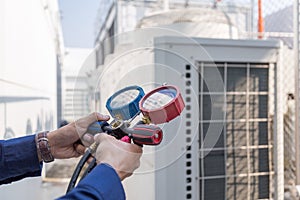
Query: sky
{"x": 78, "y": 19}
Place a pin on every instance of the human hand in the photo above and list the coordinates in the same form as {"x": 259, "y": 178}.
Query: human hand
{"x": 122, "y": 156}
{"x": 64, "y": 142}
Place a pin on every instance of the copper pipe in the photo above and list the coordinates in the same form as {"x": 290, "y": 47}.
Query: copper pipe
{"x": 260, "y": 25}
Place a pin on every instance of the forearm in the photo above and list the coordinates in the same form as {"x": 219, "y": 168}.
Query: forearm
{"x": 102, "y": 183}
{"x": 18, "y": 159}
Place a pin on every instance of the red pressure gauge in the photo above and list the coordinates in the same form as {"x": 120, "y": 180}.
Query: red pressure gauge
{"x": 162, "y": 104}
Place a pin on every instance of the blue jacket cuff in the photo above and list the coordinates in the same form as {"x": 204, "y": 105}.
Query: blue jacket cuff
{"x": 19, "y": 159}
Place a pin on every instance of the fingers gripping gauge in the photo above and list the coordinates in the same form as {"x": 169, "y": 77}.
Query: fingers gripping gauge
{"x": 123, "y": 104}
{"x": 162, "y": 104}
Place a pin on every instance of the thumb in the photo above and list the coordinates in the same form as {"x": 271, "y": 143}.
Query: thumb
{"x": 100, "y": 137}
{"x": 101, "y": 117}
{"x": 95, "y": 116}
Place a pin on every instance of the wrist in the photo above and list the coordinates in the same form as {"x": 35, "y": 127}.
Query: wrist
{"x": 51, "y": 141}
{"x": 43, "y": 147}
{"x": 121, "y": 175}
{"x": 37, "y": 149}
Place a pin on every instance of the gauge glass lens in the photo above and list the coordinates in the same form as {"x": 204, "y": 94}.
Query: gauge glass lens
{"x": 159, "y": 99}
{"x": 124, "y": 98}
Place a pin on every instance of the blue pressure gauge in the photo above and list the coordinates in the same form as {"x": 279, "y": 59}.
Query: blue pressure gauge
{"x": 124, "y": 104}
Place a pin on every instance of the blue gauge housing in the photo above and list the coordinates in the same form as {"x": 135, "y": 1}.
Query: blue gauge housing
{"x": 129, "y": 109}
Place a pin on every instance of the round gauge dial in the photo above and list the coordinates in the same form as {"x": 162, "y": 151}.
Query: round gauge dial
{"x": 162, "y": 104}
{"x": 123, "y": 104}
{"x": 124, "y": 98}
{"x": 159, "y": 99}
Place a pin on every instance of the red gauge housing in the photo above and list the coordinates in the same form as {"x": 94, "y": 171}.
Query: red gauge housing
{"x": 167, "y": 112}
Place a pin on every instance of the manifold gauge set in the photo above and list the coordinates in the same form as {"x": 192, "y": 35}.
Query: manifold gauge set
{"x": 160, "y": 105}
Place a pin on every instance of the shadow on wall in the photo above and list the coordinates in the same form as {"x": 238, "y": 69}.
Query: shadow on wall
{"x": 46, "y": 125}
{"x": 9, "y": 133}
{"x": 28, "y": 127}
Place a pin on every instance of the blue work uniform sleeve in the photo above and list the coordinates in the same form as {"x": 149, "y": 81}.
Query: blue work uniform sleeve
{"x": 103, "y": 183}
{"x": 18, "y": 159}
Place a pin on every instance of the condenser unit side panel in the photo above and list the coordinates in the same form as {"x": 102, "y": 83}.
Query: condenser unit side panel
{"x": 177, "y": 177}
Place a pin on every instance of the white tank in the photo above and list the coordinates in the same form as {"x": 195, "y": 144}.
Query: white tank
{"x": 194, "y": 22}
